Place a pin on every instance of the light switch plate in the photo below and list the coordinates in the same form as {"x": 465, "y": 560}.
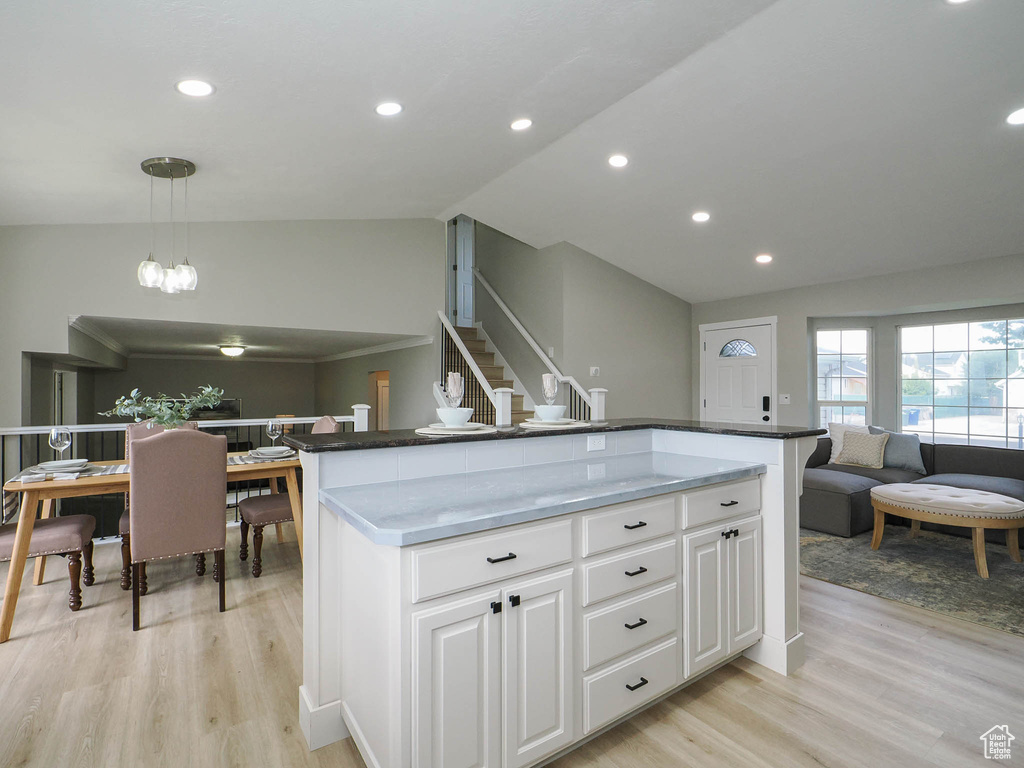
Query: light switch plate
{"x": 595, "y": 442}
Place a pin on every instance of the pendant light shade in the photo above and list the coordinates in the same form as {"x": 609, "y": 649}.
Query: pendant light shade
{"x": 170, "y": 283}
{"x": 150, "y": 273}
{"x": 187, "y": 276}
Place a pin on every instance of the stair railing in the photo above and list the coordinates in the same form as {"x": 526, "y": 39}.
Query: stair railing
{"x": 490, "y": 406}
{"x": 583, "y": 405}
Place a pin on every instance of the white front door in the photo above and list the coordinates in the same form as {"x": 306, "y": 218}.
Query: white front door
{"x": 737, "y": 369}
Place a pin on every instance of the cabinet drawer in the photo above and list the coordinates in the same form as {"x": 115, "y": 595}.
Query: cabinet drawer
{"x": 627, "y": 524}
{"x": 439, "y": 570}
{"x": 611, "y": 576}
{"x": 720, "y": 502}
{"x": 629, "y": 624}
{"x": 606, "y": 695}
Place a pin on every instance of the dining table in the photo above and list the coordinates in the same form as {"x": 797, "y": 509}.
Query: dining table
{"x": 112, "y": 477}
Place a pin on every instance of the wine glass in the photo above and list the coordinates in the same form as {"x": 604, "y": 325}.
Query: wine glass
{"x": 274, "y": 430}
{"x": 454, "y": 389}
{"x": 550, "y": 383}
{"x": 60, "y": 439}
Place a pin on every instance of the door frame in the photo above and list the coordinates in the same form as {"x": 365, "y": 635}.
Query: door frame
{"x": 772, "y": 321}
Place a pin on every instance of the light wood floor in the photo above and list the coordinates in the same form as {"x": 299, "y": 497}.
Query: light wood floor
{"x": 884, "y": 684}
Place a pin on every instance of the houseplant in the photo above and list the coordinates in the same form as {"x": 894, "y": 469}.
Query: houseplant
{"x": 166, "y": 411}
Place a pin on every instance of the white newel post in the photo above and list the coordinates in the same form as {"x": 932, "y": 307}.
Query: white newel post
{"x": 597, "y": 396}
{"x": 503, "y": 408}
{"x": 362, "y": 414}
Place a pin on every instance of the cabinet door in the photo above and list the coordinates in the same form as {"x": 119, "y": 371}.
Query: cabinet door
{"x": 745, "y": 584}
{"x": 538, "y": 666}
{"x": 707, "y": 640}
{"x": 456, "y": 672}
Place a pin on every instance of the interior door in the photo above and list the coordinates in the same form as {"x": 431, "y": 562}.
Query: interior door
{"x": 737, "y": 365}
{"x": 457, "y": 678}
{"x": 705, "y": 592}
{"x": 538, "y": 664}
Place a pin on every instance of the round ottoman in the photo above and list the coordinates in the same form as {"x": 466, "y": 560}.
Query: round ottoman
{"x": 977, "y": 510}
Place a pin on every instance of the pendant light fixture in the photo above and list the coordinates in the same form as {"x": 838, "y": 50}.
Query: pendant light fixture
{"x": 170, "y": 279}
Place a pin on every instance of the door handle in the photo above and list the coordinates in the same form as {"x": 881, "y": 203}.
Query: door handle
{"x": 509, "y": 556}
{"x": 766, "y": 403}
{"x": 641, "y": 524}
{"x": 513, "y": 600}
{"x": 638, "y": 624}
{"x": 641, "y": 684}
{"x": 637, "y": 572}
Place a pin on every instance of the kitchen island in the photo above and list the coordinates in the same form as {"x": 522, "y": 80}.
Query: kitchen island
{"x": 496, "y": 599}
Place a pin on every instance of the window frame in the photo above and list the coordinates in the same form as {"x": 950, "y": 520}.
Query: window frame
{"x": 869, "y": 354}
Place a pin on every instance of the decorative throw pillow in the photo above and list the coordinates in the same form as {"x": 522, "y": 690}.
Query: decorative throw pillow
{"x": 903, "y": 451}
{"x": 836, "y": 432}
{"x": 861, "y": 449}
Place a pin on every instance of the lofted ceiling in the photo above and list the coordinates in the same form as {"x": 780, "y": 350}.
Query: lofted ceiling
{"x": 847, "y": 139}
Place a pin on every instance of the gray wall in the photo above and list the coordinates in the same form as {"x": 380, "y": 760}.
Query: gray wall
{"x": 381, "y": 276}
{"x": 340, "y": 384}
{"x": 265, "y": 388}
{"x": 593, "y": 314}
{"x": 978, "y": 284}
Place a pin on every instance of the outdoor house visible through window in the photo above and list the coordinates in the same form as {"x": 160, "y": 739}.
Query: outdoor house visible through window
{"x": 842, "y": 375}
{"x": 964, "y": 382}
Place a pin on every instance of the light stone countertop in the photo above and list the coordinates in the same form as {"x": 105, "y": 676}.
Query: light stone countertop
{"x": 407, "y": 512}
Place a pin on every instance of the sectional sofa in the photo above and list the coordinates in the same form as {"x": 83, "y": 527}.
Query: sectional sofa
{"x": 837, "y": 498}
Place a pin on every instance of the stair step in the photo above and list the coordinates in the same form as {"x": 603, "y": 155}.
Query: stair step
{"x": 475, "y": 345}
{"x": 517, "y": 402}
{"x": 518, "y": 417}
{"x": 483, "y": 358}
{"x": 495, "y": 383}
{"x": 493, "y": 372}
{"x": 466, "y": 333}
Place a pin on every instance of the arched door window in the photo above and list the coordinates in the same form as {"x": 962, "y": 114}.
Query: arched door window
{"x": 738, "y": 348}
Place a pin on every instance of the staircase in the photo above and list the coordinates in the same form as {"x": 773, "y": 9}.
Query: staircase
{"x": 495, "y": 374}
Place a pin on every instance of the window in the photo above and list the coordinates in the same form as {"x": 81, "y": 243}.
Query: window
{"x": 738, "y": 348}
{"x": 842, "y": 376}
{"x": 964, "y": 382}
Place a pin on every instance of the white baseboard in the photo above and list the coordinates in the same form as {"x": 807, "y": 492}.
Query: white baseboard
{"x": 320, "y": 725}
{"x": 782, "y": 656}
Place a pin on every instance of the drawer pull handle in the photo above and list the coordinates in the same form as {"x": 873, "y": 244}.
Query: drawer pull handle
{"x": 509, "y": 556}
{"x": 641, "y": 524}
{"x": 638, "y": 624}
{"x": 637, "y": 572}
{"x": 732, "y": 503}
{"x": 641, "y": 684}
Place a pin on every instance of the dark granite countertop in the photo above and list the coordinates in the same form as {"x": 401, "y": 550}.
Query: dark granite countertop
{"x": 358, "y": 441}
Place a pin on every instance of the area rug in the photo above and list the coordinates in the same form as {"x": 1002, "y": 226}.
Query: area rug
{"x": 933, "y": 571}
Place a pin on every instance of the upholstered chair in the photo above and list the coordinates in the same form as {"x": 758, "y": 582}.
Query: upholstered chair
{"x": 178, "y": 481}
{"x": 70, "y": 535}
{"x": 260, "y": 511}
{"x": 133, "y": 432}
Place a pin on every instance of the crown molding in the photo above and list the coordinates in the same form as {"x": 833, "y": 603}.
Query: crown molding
{"x": 418, "y": 341}
{"x": 79, "y": 323}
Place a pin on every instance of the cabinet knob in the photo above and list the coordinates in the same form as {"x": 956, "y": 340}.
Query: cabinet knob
{"x": 637, "y": 572}
{"x": 513, "y": 600}
{"x": 640, "y": 524}
{"x": 638, "y": 624}
{"x": 509, "y": 556}
{"x": 641, "y": 684}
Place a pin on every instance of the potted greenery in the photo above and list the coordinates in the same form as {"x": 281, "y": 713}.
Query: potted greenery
{"x": 166, "y": 411}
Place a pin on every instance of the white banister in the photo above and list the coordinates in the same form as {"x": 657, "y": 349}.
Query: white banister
{"x": 583, "y": 394}
{"x": 468, "y": 357}
{"x": 597, "y": 397}
{"x": 503, "y": 407}
{"x": 361, "y": 415}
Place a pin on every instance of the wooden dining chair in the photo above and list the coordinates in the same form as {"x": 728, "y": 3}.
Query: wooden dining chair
{"x": 69, "y": 535}
{"x": 133, "y": 432}
{"x": 178, "y": 502}
{"x": 258, "y": 512}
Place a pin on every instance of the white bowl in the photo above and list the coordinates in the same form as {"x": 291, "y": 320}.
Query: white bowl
{"x": 454, "y": 417}
{"x": 549, "y": 412}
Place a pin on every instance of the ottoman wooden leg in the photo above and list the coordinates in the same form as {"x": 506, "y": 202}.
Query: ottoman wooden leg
{"x": 978, "y": 535}
{"x": 1013, "y": 544}
{"x": 915, "y": 528}
{"x": 876, "y": 537}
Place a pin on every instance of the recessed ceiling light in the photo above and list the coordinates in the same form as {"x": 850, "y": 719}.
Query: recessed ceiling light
{"x": 521, "y": 124}
{"x": 701, "y": 216}
{"x": 957, "y": 2}
{"x": 1016, "y": 118}
{"x": 194, "y": 88}
{"x": 763, "y": 258}
{"x": 232, "y": 350}
{"x": 618, "y": 161}
{"x": 389, "y": 108}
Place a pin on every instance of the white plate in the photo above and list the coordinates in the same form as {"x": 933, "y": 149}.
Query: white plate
{"x": 541, "y": 426}
{"x": 57, "y": 465}
{"x": 274, "y": 450}
{"x": 257, "y": 455}
{"x": 469, "y": 426}
{"x": 552, "y": 422}
{"x": 484, "y": 429}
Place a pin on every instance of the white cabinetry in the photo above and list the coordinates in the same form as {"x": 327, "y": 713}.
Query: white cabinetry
{"x": 723, "y": 591}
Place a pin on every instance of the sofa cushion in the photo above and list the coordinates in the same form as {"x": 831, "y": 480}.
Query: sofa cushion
{"x": 1007, "y": 486}
{"x": 836, "y": 433}
{"x": 979, "y": 460}
{"x": 863, "y": 450}
{"x": 903, "y": 451}
{"x": 821, "y": 479}
{"x": 838, "y": 503}
{"x": 884, "y": 475}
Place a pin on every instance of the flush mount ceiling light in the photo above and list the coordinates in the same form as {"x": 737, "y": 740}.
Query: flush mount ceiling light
{"x": 701, "y": 217}
{"x": 232, "y": 350}
{"x": 194, "y": 88}
{"x": 1016, "y": 118}
{"x": 389, "y": 108}
{"x": 957, "y": 2}
{"x": 763, "y": 258}
{"x": 172, "y": 279}
{"x": 618, "y": 161}
{"x": 521, "y": 124}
